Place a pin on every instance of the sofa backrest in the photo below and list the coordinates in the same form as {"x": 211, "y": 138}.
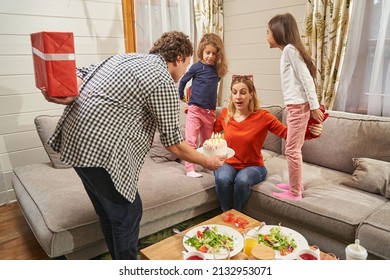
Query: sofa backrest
{"x": 45, "y": 126}
{"x": 273, "y": 142}
{"x": 346, "y": 136}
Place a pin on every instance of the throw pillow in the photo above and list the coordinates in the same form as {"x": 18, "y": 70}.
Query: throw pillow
{"x": 370, "y": 175}
{"x": 158, "y": 152}
{"x": 45, "y": 127}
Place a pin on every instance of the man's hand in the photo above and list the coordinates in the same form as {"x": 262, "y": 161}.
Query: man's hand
{"x": 59, "y": 100}
{"x": 214, "y": 162}
{"x": 188, "y": 153}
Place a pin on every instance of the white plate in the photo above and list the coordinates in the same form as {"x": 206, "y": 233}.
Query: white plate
{"x": 238, "y": 240}
{"x": 230, "y": 152}
{"x": 299, "y": 240}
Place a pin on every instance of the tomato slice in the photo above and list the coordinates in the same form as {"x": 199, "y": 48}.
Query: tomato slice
{"x": 241, "y": 222}
{"x": 199, "y": 234}
{"x": 228, "y": 217}
{"x": 203, "y": 249}
{"x": 285, "y": 252}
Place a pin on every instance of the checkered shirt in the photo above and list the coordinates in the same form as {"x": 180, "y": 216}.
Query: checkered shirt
{"x": 112, "y": 122}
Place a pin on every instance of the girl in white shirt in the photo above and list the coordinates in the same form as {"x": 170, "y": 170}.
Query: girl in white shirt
{"x": 298, "y": 74}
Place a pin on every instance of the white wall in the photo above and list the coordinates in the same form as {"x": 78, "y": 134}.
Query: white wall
{"x": 98, "y": 30}
{"x": 247, "y": 50}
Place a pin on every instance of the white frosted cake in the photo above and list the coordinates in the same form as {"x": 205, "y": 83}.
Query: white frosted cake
{"x": 215, "y": 146}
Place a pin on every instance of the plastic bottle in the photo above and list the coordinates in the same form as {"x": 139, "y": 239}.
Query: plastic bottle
{"x": 355, "y": 251}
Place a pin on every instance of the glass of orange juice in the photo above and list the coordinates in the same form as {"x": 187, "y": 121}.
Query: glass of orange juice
{"x": 250, "y": 240}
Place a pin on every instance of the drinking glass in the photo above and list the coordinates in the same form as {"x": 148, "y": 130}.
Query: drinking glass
{"x": 221, "y": 253}
{"x": 250, "y": 240}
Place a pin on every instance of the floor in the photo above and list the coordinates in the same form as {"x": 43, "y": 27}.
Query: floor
{"x": 17, "y": 241}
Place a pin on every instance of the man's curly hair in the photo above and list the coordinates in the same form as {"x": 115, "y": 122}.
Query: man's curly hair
{"x": 171, "y": 45}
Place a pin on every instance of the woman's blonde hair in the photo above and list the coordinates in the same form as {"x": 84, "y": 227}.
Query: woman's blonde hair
{"x": 254, "y": 103}
{"x": 216, "y": 41}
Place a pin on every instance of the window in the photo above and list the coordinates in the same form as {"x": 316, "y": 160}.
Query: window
{"x": 154, "y": 17}
{"x": 365, "y": 80}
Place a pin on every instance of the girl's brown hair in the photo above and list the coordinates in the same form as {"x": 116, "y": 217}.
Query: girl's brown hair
{"x": 216, "y": 41}
{"x": 285, "y": 31}
{"x": 254, "y": 103}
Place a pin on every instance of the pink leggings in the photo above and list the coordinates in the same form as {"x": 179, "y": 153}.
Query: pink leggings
{"x": 297, "y": 117}
{"x": 199, "y": 126}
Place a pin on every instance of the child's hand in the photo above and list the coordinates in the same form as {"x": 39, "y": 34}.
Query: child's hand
{"x": 315, "y": 129}
{"x": 318, "y": 115}
{"x": 185, "y": 108}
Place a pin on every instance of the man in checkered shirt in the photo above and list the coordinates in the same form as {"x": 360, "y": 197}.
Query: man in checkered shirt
{"x": 106, "y": 132}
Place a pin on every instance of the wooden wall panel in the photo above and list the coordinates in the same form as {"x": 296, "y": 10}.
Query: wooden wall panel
{"x": 65, "y": 9}
{"x": 98, "y": 33}
{"x": 247, "y": 50}
{"x": 19, "y": 141}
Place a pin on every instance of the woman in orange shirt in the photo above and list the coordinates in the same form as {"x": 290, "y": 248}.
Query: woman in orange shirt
{"x": 245, "y": 126}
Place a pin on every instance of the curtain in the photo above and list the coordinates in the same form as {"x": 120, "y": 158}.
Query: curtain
{"x": 365, "y": 87}
{"x": 208, "y": 17}
{"x": 325, "y": 34}
{"x": 154, "y": 17}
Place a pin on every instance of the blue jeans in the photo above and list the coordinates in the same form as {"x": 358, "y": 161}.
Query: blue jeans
{"x": 119, "y": 218}
{"x": 235, "y": 185}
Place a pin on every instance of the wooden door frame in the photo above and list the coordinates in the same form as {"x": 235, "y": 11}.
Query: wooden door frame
{"x": 129, "y": 25}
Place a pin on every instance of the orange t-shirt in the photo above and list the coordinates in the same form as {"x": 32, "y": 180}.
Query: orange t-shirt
{"x": 246, "y": 138}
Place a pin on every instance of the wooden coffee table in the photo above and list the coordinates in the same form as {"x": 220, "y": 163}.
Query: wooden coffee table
{"x": 171, "y": 248}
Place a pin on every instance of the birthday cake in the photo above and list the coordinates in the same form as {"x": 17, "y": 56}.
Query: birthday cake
{"x": 216, "y": 145}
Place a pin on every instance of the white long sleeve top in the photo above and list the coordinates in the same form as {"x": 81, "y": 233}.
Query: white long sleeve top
{"x": 297, "y": 83}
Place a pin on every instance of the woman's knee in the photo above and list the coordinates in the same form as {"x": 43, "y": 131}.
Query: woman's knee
{"x": 242, "y": 181}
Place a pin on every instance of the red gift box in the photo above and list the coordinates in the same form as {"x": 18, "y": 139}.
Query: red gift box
{"x": 54, "y": 63}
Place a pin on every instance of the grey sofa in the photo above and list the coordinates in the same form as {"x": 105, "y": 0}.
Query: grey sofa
{"x": 331, "y": 214}
{"x": 346, "y": 176}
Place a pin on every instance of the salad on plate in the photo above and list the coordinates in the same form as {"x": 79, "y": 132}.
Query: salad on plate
{"x": 285, "y": 244}
{"x": 210, "y": 239}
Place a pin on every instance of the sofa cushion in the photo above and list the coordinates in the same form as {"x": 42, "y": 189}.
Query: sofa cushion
{"x": 370, "y": 175}
{"x": 45, "y": 127}
{"x": 57, "y": 208}
{"x": 346, "y": 136}
{"x": 165, "y": 190}
{"x": 158, "y": 152}
{"x": 273, "y": 142}
{"x": 376, "y": 226}
{"x": 327, "y": 206}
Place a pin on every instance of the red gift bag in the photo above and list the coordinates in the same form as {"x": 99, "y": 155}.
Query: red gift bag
{"x": 54, "y": 63}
